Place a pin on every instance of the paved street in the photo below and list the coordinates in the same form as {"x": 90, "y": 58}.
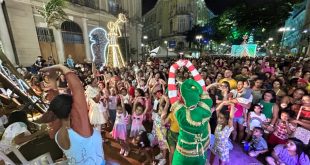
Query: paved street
{"x": 238, "y": 157}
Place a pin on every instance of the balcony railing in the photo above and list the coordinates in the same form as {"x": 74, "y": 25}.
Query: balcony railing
{"x": 87, "y": 3}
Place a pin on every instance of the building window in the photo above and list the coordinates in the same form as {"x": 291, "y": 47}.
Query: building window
{"x": 182, "y": 25}
{"x": 71, "y": 33}
{"x": 45, "y": 34}
{"x": 88, "y": 3}
{"x": 115, "y": 7}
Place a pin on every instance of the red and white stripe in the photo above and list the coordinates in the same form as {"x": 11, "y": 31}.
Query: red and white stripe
{"x": 172, "y": 88}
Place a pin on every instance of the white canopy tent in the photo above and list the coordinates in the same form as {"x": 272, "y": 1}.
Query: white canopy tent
{"x": 162, "y": 52}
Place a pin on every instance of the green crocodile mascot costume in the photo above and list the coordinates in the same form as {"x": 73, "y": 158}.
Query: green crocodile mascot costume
{"x": 192, "y": 115}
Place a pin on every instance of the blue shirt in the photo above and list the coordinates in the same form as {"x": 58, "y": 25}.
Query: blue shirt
{"x": 259, "y": 144}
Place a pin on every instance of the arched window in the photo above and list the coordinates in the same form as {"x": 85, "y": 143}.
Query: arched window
{"x": 71, "y": 32}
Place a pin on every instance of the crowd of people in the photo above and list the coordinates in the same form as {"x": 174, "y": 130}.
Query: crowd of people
{"x": 261, "y": 104}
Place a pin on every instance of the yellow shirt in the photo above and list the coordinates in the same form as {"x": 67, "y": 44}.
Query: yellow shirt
{"x": 308, "y": 87}
{"x": 174, "y": 126}
{"x": 232, "y": 83}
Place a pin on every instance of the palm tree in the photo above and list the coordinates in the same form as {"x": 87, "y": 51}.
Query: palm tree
{"x": 53, "y": 14}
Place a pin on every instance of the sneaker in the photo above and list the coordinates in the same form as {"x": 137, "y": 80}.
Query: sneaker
{"x": 122, "y": 151}
{"x": 126, "y": 153}
{"x": 159, "y": 156}
{"x": 162, "y": 162}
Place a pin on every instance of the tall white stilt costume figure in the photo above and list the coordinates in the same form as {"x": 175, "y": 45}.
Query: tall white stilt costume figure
{"x": 115, "y": 57}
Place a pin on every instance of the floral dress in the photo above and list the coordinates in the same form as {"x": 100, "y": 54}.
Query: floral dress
{"x": 159, "y": 131}
{"x": 221, "y": 145}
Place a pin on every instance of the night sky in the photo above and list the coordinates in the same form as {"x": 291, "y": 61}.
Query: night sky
{"x": 217, "y": 6}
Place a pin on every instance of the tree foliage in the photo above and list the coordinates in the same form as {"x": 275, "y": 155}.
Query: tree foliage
{"x": 245, "y": 17}
{"x": 53, "y": 13}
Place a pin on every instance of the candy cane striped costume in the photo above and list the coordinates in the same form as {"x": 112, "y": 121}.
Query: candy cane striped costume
{"x": 192, "y": 116}
{"x": 171, "y": 81}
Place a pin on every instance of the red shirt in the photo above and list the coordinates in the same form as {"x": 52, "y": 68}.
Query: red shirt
{"x": 131, "y": 91}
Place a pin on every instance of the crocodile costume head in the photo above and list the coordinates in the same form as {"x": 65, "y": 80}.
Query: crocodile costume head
{"x": 191, "y": 91}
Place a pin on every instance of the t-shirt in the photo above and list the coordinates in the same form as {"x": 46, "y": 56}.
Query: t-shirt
{"x": 286, "y": 158}
{"x": 256, "y": 120}
{"x": 246, "y": 93}
{"x": 113, "y": 102}
{"x": 257, "y": 95}
{"x": 174, "y": 126}
{"x": 259, "y": 143}
{"x": 239, "y": 110}
{"x": 11, "y": 132}
{"x": 131, "y": 91}
{"x": 281, "y": 129}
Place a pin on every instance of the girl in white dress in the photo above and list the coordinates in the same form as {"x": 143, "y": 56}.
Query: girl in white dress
{"x": 92, "y": 94}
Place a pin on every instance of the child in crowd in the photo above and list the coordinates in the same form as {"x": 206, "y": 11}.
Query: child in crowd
{"x": 92, "y": 94}
{"x": 246, "y": 90}
{"x": 258, "y": 143}
{"x": 112, "y": 105}
{"x": 119, "y": 131}
{"x": 143, "y": 143}
{"x": 137, "y": 119}
{"x": 222, "y": 132}
{"x": 148, "y": 105}
{"x": 255, "y": 119}
{"x": 172, "y": 134}
{"x": 290, "y": 153}
{"x": 160, "y": 132}
{"x": 127, "y": 100}
{"x": 283, "y": 128}
{"x": 96, "y": 113}
{"x": 104, "y": 106}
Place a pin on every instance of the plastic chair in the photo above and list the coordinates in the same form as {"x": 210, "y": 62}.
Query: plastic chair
{"x": 40, "y": 160}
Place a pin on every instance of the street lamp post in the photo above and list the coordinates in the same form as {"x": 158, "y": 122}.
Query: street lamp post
{"x": 166, "y": 42}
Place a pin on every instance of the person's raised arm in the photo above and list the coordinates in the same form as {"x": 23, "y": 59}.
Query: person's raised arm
{"x": 275, "y": 114}
{"x": 122, "y": 104}
{"x": 211, "y": 86}
{"x": 138, "y": 78}
{"x": 150, "y": 78}
{"x": 135, "y": 101}
{"x": 166, "y": 107}
{"x": 79, "y": 112}
{"x": 220, "y": 106}
{"x": 231, "y": 114}
{"x": 146, "y": 106}
{"x": 93, "y": 69}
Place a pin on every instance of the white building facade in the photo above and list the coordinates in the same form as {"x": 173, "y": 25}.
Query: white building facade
{"x": 24, "y": 34}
